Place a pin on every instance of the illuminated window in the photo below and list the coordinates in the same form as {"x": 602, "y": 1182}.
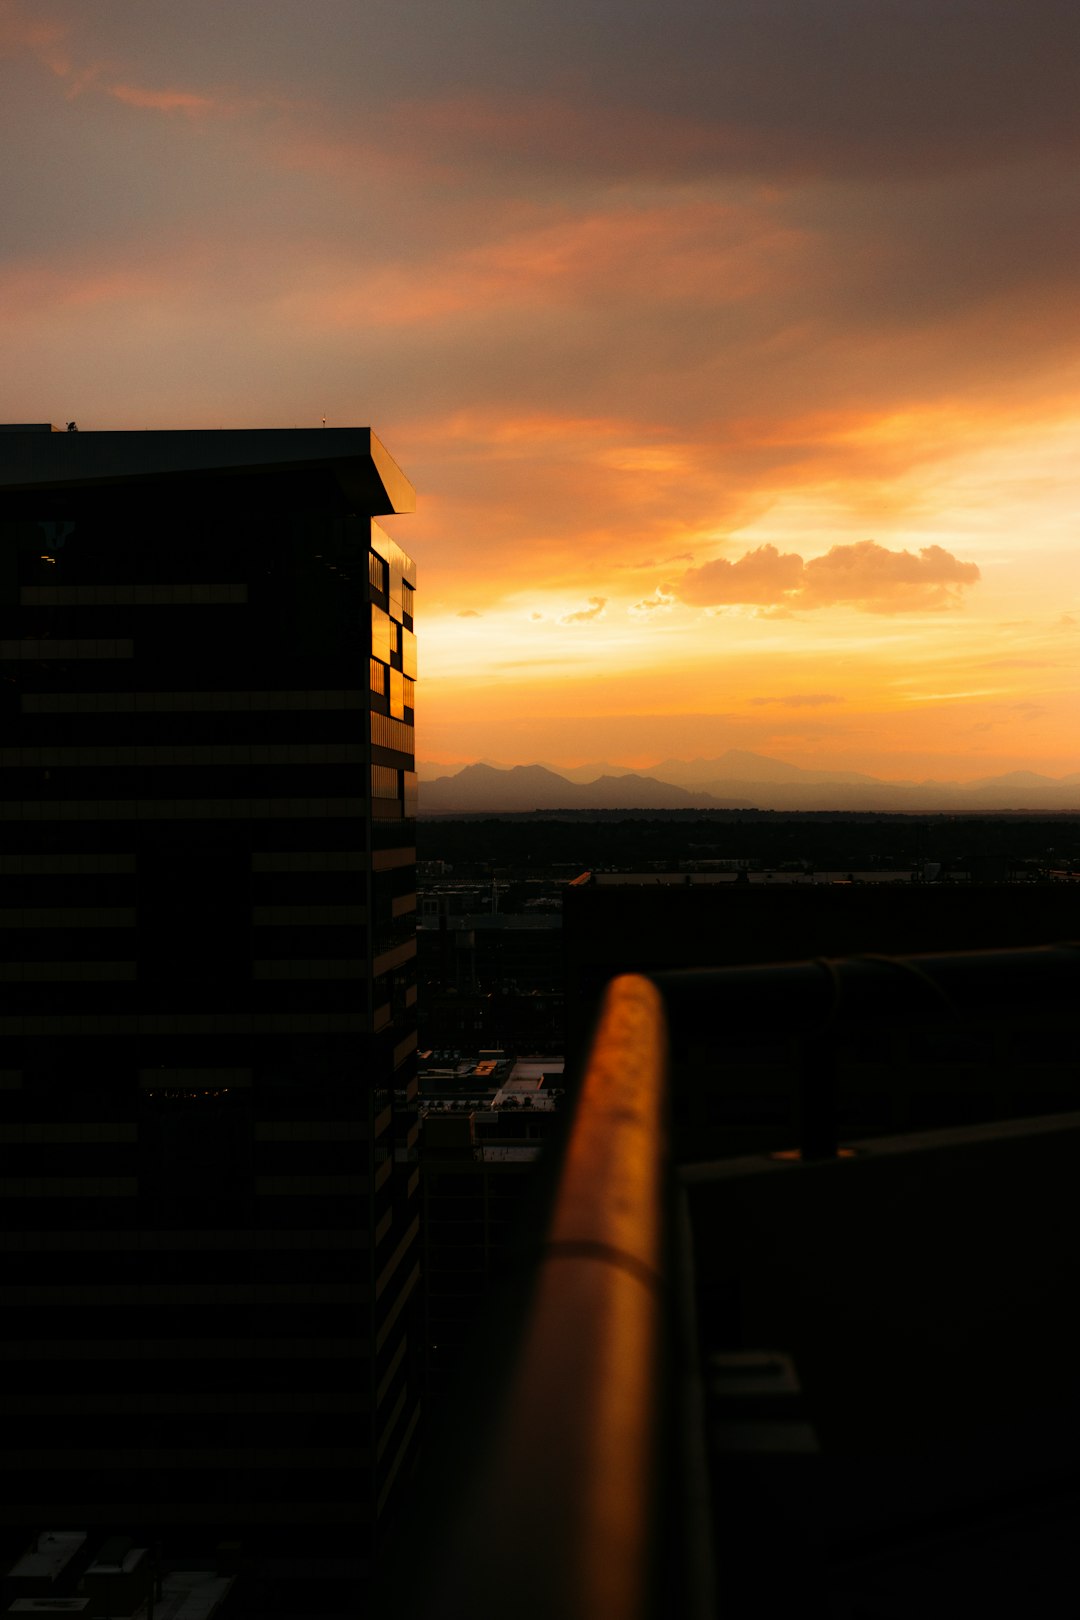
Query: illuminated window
{"x": 378, "y": 677}
{"x": 388, "y": 733}
{"x": 410, "y": 694}
{"x": 397, "y": 694}
{"x": 380, "y": 634}
{"x": 384, "y": 782}
{"x": 376, "y": 571}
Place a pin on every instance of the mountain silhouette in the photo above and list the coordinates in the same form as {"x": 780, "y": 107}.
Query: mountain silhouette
{"x": 736, "y": 780}
{"x": 534, "y": 787}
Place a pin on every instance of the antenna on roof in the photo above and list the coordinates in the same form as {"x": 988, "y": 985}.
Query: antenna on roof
{"x": 72, "y": 427}
{"x": 324, "y": 421}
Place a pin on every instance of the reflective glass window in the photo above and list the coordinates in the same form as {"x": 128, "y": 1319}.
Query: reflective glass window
{"x": 380, "y": 634}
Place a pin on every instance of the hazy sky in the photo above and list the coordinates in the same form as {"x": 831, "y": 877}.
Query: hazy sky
{"x": 733, "y": 346}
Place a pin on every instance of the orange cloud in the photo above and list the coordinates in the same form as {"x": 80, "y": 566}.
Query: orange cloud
{"x": 695, "y": 252}
{"x": 882, "y": 581}
{"x": 797, "y": 700}
{"x": 549, "y": 127}
{"x": 186, "y": 101}
{"x": 219, "y": 101}
{"x": 50, "y": 42}
{"x": 595, "y": 610}
{"x": 662, "y": 599}
{"x": 761, "y": 577}
{"x": 55, "y": 46}
{"x": 42, "y": 37}
{"x": 564, "y": 513}
{"x": 864, "y": 575}
{"x": 653, "y": 296}
{"x": 40, "y": 288}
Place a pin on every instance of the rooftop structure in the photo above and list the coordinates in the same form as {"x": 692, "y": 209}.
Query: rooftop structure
{"x": 751, "y": 1384}
{"x": 651, "y": 926}
{"x": 38, "y": 459}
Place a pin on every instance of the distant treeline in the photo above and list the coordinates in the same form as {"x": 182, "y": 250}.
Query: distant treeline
{"x": 860, "y": 841}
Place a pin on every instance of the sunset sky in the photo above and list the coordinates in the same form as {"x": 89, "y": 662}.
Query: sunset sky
{"x": 733, "y": 348}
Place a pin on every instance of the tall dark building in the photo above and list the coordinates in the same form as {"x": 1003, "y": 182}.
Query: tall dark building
{"x": 207, "y": 949}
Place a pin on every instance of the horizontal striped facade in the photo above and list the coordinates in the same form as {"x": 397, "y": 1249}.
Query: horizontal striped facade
{"x": 207, "y": 1010}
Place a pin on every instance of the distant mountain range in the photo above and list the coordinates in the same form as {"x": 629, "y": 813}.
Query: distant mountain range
{"x": 737, "y": 780}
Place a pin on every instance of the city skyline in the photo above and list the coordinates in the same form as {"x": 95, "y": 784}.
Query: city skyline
{"x": 734, "y": 354}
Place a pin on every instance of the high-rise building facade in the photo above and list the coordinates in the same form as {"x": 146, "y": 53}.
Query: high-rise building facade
{"x": 207, "y": 959}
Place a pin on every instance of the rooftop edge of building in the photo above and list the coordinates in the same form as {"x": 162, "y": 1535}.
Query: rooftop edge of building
{"x": 34, "y": 456}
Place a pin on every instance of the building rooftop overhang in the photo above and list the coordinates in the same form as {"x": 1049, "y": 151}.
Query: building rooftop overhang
{"x": 50, "y": 462}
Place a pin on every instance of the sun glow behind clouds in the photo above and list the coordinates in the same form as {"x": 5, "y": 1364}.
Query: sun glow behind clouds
{"x": 804, "y": 304}
{"x": 898, "y": 707}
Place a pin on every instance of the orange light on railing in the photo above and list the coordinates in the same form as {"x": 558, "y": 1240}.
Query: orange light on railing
{"x": 574, "y": 1468}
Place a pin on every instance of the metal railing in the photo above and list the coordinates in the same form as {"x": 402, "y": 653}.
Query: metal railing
{"x": 562, "y": 1523}
{"x": 814, "y": 1003}
{"x": 566, "y": 1520}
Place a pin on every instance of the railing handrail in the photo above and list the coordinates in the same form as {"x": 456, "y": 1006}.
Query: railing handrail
{"x": 562, "y": 1526}
{"x": 821, "y": 998}
{"x": 997, "y": 987}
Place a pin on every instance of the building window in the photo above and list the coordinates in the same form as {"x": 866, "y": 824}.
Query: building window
{"x": 380, "y": 634}
{"x": 376, "y": 571}
{"x": 378, "y": 677}
{"x": 389, "y": 733}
